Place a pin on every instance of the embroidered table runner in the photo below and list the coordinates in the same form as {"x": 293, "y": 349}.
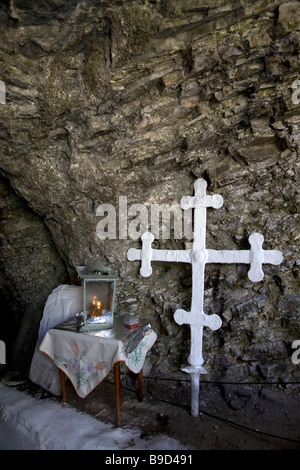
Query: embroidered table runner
{"x": 87, "y": 357}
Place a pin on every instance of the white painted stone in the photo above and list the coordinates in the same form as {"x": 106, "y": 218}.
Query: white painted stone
{"x": 199, "y": 256}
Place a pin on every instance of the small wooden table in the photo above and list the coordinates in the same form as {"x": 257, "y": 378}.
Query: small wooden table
{"x": 117, "y": 379}
{"x": 87, "y": 358}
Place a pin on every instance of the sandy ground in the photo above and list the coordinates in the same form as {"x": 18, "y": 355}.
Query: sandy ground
{"x": 232, "y": 417}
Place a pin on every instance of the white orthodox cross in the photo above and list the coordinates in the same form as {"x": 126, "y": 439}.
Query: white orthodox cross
{"x": 199, "y": 256}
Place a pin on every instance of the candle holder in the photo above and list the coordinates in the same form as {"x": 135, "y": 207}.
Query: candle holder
{"x": 98, "y": 296}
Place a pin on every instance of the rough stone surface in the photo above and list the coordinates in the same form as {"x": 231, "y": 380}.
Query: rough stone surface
{"x": 30, "y": 268}
{"x": 138, "y": 99}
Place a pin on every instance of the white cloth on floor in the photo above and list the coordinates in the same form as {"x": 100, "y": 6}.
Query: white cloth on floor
{"x": 63, "y": 303}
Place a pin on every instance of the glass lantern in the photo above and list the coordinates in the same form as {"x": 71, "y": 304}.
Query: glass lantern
{"x": 98, "y": 296}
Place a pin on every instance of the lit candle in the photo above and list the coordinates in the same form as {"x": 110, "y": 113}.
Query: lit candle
{"x": 98, "y": 305}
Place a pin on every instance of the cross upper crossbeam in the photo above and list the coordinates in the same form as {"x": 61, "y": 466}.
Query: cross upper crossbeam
{"x": 256, "y": 256}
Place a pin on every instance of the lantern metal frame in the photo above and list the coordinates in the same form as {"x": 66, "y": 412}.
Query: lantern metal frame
{"x": 87, "y": 275}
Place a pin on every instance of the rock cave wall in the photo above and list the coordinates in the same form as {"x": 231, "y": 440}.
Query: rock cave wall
{"x": 30, "y": 268}
{"x": 138, "y": 99}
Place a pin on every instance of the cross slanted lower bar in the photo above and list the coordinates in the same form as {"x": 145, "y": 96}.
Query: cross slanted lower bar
{"x": 199, "y": 256}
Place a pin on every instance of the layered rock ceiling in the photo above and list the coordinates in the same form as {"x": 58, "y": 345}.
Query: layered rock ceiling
{"x": 138, "y": 99}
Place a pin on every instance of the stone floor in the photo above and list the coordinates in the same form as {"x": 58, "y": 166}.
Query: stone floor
{"x": 232, "y": 417}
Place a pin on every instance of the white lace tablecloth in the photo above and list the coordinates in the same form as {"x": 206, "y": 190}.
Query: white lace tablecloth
{"x": 87, "y": 357}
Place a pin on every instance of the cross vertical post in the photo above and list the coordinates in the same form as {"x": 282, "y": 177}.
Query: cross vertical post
{"x": 199, "y": 256}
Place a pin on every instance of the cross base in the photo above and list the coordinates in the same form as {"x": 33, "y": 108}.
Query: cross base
{"x": 195, "y": 372}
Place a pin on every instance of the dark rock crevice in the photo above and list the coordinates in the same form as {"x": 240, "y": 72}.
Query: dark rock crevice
{"x": 30, "y": 269}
